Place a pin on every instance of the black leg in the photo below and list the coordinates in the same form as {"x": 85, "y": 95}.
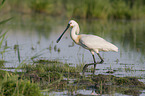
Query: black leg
{"x": 94, "y": 58}
{"x": 100, "y": 58}
{"x": 94, "y": 67}
{"x": 86, "y": 65}
{"x": 94, "y": 63}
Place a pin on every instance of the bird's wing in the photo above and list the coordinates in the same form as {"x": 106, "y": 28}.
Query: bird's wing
{"x": 92, "y": 41}
{"x": 95, "y": 42}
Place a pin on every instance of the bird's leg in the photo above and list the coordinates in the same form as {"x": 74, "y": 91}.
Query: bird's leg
{"x": 86, "y": 65}
{"x": 94, "y": 58}
{"x": 94, "y": 63}
{"x": 84, "y": 68}
{"x": 100, "y": 58}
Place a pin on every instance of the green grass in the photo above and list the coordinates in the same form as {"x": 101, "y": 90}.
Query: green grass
{"x": 45, "y": 66}
{"x": 11, "y": 85}
{"x": 43, "y": 74}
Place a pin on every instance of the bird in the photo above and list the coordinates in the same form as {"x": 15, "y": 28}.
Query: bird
{"x": 92, "y": 43}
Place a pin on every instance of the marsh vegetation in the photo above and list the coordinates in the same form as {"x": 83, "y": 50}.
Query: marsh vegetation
{"x": 46, "y": 76}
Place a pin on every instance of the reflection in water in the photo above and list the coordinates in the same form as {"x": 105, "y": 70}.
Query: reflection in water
{"x": 37, "y": 35}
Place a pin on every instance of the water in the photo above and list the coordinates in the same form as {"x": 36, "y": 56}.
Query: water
{"x": 37, "y": 35}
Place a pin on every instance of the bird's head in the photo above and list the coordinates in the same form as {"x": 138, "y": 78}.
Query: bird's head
{"x": 71, "y": 24}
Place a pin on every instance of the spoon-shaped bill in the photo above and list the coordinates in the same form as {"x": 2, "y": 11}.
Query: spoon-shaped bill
{"x": 63, "y": 33}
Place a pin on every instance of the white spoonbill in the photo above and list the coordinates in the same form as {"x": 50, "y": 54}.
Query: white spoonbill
{"x": 91, "y": 42}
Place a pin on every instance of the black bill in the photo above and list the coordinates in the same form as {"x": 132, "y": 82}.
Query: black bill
{"x": 63, "y": 33}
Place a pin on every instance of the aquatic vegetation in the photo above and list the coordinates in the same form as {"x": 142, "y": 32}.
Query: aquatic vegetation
{"x": 3, "y": 34}
{"x": 2, "y": 63}
{"x": 41, "y": 66}
{"x": 48, "y": 73}
{"x": 16, "y": 48}
{"x": 129, "y": 81}
{"x": 58, "y": 50}
{"x": 125, "y": 85}
{"x": 55, "y": 48}
{"x": 2, "y": 40}
{"x": 47, "y": 76}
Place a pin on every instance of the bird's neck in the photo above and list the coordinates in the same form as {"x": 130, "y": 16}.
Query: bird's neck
{"x": 75, "y": 34}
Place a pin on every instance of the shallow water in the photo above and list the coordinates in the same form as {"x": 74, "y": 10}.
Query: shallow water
{"x": 37, "y": 35}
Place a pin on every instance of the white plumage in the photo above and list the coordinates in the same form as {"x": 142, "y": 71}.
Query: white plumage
{"x": 95, "y": 43}
{"x": 91, "y": 42}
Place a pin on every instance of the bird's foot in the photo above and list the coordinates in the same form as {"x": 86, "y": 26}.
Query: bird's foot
{"x": 86, "y": 65}
{"x": 84, "y": 68}
{"x": 101, "y": 61}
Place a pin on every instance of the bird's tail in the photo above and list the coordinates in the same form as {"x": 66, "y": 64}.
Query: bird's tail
{"x": 115, "y": 48}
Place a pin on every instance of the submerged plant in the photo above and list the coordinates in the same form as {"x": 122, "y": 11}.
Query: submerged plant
{"x": 16, "y": 48}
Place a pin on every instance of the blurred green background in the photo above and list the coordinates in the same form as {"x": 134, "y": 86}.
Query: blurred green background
{"x": 101, "y": 9}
